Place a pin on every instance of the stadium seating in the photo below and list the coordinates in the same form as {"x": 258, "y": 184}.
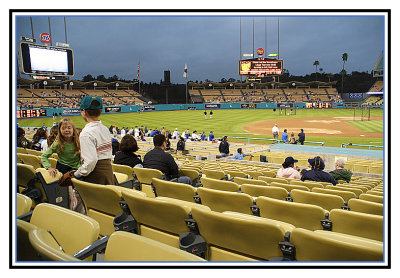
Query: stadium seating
{"x": 174, "y": 190}
{"x": 30, "y": 159}
{"x": 372, "y": 198}
{"x": 365, "y": 206}
{"x": 326, "y": 201}
{"x": 267, "y": 191}
{"x": 241, "y": 181}
{"x": 145, "y": 175}
{"x": 346, "y": 195}
{"x": 219, "y": 184}
{"x": 289, "y": 187}
{"x": 24, "y": 204}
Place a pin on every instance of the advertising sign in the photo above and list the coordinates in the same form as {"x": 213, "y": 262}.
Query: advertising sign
{"x": 249, "y": 105}
{"x": 213, "y": 106}
{"x": 112, "y": 109}
{"x": 45, "y": 37}
{"x": 68, "y": 112}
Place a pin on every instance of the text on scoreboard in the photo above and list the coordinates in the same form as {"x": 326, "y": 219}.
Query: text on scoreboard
{"x": 260, "y": 67}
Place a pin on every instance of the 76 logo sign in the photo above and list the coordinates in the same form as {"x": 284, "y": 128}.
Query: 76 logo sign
{"x": 45, "y": 37}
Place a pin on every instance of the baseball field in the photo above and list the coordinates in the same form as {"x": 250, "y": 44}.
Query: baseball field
{"x": 332, "y": 126}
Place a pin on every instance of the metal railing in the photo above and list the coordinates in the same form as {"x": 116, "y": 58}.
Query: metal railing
{"x": 358, "y": 145}
{"x": 275, "y": 140}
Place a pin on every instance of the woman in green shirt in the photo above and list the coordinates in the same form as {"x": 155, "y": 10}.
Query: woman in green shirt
{"x": 67, "y": 147}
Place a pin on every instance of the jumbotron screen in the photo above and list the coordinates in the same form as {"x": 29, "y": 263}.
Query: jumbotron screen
{"x": 260, "y": 67}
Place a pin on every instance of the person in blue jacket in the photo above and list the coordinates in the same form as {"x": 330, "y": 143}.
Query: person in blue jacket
{"x": 316, "y": 173}
{"x": 211, "y": 136}
{"x": 302, "y": 137}
{"x": 203, "y": 136}
{"x": 284, "y": 136}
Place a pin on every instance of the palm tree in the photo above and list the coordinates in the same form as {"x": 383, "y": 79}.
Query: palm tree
{"x": 344, "y": 58}
{"x": 316, "y": 64}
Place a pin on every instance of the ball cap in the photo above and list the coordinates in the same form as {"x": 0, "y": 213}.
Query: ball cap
{"x": 290, "y": 160}
{"x": 86, "y": 103}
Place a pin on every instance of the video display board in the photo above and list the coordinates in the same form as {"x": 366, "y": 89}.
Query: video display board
{"x": 260, "y": 67}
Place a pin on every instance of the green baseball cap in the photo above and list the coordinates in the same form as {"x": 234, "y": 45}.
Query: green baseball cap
{"x": 86, "y": 103}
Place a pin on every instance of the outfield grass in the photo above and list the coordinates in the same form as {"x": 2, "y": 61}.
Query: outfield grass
{"x": 368, "y": 126}
{"x": 224, "y": 122}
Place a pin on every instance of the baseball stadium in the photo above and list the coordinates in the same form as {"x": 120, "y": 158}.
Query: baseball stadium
{"x": 237, "y": 208}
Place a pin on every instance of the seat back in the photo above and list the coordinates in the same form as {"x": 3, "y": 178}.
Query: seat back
{"x": 289, "y": 187}
{"x": 269, "y": 179}
{"x": 31, "y": 159}
{"x": 101, "y": 203}
{"x": 326, "y": 201}
{"x": 145, "y": 175}
{"x": 346, "y": 195}
{"x": 300, "y": 215}
{"x": 218, "y": 200}
{"x": 25, "y": 173}
{"x": 267, "y": 191}
{"x": 345, "y": 188}
{"x": 214, "y": 174}
{"x": 247, "y": 239}
{"x": 375, "y": 192}
{"x": 236, "y": 173}
{"x": 72, "y": 230}
{"x": 253, "y": 174}
{"x": 124, "y": 169}
{"x": 24, "y": 204}
{"x": 371, "y": 198}
{"x": 193, "y": 174}
{"x": 357, "y": 224}
{"x": 54, "y": 193}
{"x": 47, "y": 246}
{"x": 219, "y": 184}
{"x": 315, "y": 246}
{"x": 158, "y": 219}
{"x": 121, "y": 177}
{"x": 376, "y": 169}
{"x": 21, "y": 150}
{"x": 308, "y": 184}
{"x": 124, "y": 246}
{"x": 34, "y": 152}
{"x": 365, "y": 206}
{"x": 174, "y": 190}
{"x": 25, "y": 251}
{"x": 240, "y": 181}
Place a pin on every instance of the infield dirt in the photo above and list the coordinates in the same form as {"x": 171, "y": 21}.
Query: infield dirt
{"x": 323, "y": 126}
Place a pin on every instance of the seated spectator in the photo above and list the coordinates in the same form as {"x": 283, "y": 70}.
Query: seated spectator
{"x": 168, "y": 143}
{"x": 115, "y": 145}
{"x": 340, "y": 173}
{"x": 126, "y": 154}
{"x": 195, "y": 136}
{"x": 180, "y": 146}
{"x": 50, "y": 139}
{"x": 284, "y": 136}
{"x": 203, "y": 136}
{"x": 158, "y": 159}
{"x": 153, "y": 133}
{"x": 239, "y": 155}
{"x": 38, "y": 138}
{"x": 22, "y": 142}
{"x": 175, "y": 135}
{"x": 316, "y": 173}
{"x": 288, "y": 170}
{"x": 211, "y": 136}
{"x": 292, "y": 139}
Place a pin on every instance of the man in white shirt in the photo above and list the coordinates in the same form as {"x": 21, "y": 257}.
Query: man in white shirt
{"x": 123, "y": 132}
{"x": 136, "y": 132}
{"x": 175, "y": 135}
{"x": 275, "y": 131}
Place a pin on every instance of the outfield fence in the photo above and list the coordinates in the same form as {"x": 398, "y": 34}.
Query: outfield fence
{"x": 343, "y": 145}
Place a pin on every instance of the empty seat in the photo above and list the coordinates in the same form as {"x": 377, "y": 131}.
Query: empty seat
{"x": 219, "y": 184}
{"x": 356, "y": 191}
{"x": 26, "y": 177}
{"x": 357, "y": 224}
{"x": 328, "y": 246}
{"x": 145, "y": 175}
{"x": 375, "y": 192}
{"x": 214, "y": 174}
{"x": 161, "y": 219}
{"x": 240, "y": 181}
{"x": 253, "y": 174}
{"x": 193, "y": 174}
{"x": 365, "y": 206}
{"x": 346, "y": 195}
{"x": 326, "y": 201}
{"x": 30, "y": 159}
{"x": 376, "y": 169}
{"x": 267, "y": 191}
{"x": 101, "y": 203}
{"x": 289, "y": 187}
{"x": 175, "y": 190}
{"x": 25, "y": 251}
{"x": 300, "y": 215}
{"x": 235, "y": 173}
{"x": 24, "y": 204}
{"x": 371, "y": 198}
{"x": 269, "y": 180}
{"x": 124, "y": 169}
{"x": 233, "y": 238}
{"x": 308, "y": 184}
{"x": 218, "y": 200}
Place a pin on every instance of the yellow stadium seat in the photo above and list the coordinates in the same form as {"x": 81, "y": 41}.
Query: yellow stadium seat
{"x": 175, "y": 190}
{"x": 267, "y": 191}
{"x": 365, "y": 206}
{"x": 219, "y": 184}
{"x": 326, "y": 201}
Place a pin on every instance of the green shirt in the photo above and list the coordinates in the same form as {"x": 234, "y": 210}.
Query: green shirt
{"x": 67, "y": 157}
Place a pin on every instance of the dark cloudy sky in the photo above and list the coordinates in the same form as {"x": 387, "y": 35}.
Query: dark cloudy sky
{"x": 210, "y": 45}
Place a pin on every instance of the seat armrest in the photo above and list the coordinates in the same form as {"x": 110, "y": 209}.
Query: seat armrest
{"x": 92, "y": 249}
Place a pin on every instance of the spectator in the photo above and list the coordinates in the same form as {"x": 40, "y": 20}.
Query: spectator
{"x": 285, "y": 136}
{"x": 302, "y": 137}
{"x": 224, "y": 147}
{"x": 38, "y": 138}
{"x": 175, "y": 135}
{"x": 240, "y": 154}
{"x": 136, "y": 132}
{"x": 167, "y": 143}
{"x": 292, "y": 139}
{"x": 163, "y": 161}
{"x": 316, "y": 173}
{"x": 123, "y": 132}
{"x": 275, "y": 131}
{"x": 288, "y": 170}
{"x": 340, "y": 173}
{"x": 96, "y": 147}
{"x": 22, "y": 142}
{"x": 50, "y": 139}
{"x": 203, "y": 136}
{"x": 126, "y": 154}
{"x": 180, "y": 146}
{"x": 114, "y": 145}
{"x": 153, "y": 133}
{"x": 195, "y": 136}
{"x": 211, "y": 136}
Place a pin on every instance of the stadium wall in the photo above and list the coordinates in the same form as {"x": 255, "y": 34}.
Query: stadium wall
{"x": 173, "y": 107}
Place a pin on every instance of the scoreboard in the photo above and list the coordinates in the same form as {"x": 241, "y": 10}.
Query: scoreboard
{"x": 31, "y": 113}
{"x": 260, "y": 67}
